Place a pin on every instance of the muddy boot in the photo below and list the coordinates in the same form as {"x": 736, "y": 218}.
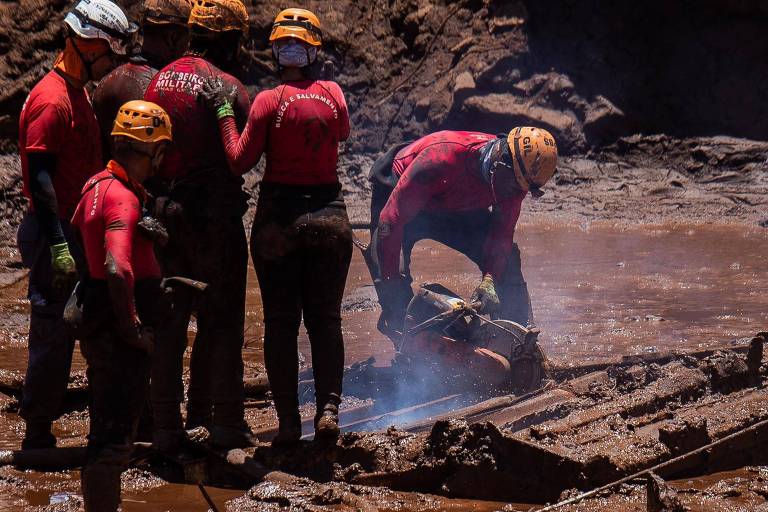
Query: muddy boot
{"x": 289, "y": 430}
{"x": 168, "y": 440}
{"x": 229, "y": 437}
{"x": 38, "y": 435}
{"x": 327, "y": 418}
{"x": 100, "y": 478}
{"x": 199, "y": 415}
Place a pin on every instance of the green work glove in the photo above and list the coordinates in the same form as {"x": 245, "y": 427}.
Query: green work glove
{"x": 218, "y": 98}
{"x": 64, "y": 269}
{"x": 485, "y": 296}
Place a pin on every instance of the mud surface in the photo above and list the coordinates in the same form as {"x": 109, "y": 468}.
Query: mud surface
{"x": 601, "y": 292}
{"x": 643, "y": 245}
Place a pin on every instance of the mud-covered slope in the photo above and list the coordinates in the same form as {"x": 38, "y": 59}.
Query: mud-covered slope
{"x": 591, "y": 71}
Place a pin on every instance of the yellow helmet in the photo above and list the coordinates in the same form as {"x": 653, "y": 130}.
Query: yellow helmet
{"x": 219, "y": 15}
{"x": 297, "y": 23}
{"x": 534, "y": 156}
{"x": 143, "y": 121}
{"x": 164, "y": 12}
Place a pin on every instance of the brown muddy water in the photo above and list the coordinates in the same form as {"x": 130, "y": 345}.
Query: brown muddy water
{"x": 599, "y": 292}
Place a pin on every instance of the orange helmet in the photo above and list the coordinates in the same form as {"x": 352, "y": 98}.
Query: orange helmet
{"x": 143, "y": 121}
{"x": 164, "y": 12}
{"x": 219, "y": 15}
{"x": 534, "y": 156}
{"x": 297, "y": 23}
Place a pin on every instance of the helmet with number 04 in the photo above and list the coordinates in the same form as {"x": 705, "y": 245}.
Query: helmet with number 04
{"x": 299, "y": 24}
{"x": 534, "y": 156}
{"x": 102, "y": 19}
{"x": 143, "y": 121}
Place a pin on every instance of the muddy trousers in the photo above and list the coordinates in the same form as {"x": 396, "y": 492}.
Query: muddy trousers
{"x": 464, "y": 232}
{"x": 301, "y": 244}
{"x": 212, "y": 250}
{"x": 118, "y": 377}
{"x": 50, "y": 343}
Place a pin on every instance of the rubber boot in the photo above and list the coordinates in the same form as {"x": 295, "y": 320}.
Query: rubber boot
{"x": 199, "y": 414}
{"x": 168, "y": 440}
{"x": 289, "y": 430}
{"x": 289, "y": 419}
{"x": 327, "y": 418}
{"x": 38, "y": 436}
{"x": 232, "y": 436}
{"x": 100, "y": 478}
{"x": 168, "y": 434}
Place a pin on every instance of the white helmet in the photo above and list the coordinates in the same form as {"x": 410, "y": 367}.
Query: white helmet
{"x": 102, "y": 19}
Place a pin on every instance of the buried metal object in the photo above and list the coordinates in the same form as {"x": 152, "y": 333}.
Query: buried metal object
{"x": 447, "y": 333}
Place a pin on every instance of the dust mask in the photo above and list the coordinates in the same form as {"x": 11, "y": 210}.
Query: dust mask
{"x": 295, "y": 55}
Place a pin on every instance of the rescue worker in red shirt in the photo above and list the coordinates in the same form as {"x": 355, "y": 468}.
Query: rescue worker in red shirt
{"x": 164, "y": 38}
{"x": 301, "y": 240}
{"x": 463, "y": 189}
{"x": 202, "y": 204}
{"x": 120, "y": 298}
{"x": 60, "y": 149}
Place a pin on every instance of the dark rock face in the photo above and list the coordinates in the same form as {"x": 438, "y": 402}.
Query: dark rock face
{"x": 589, "y": 71}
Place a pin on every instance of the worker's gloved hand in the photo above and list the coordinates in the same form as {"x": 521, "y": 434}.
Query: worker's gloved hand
{"x": 64, "y": 269}
{"x": 152, "y": 229}
{"x": 164, "y": 209}
{"x": 218, "y": 97}
{"x": 394, "y": 296}
{"x": 485, "y": 295}
{"x": 140, "y": 337}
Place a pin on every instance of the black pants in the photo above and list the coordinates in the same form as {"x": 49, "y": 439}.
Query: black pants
{"x": 464, "y": 232}
{"x": 207, "y": 243}
{"x": 118, "y": 377}
{"x": 50, "y": 343}
{"x": 301, "y": 244}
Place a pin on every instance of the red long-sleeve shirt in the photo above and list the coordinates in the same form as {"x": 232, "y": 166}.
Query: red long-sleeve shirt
{"x": 57, "y": 118}
{"x": 106, "y": 219}
{"x": 299, "y": 126}
{"x": 441, "y": 173}
{"x": 196, "y": 142}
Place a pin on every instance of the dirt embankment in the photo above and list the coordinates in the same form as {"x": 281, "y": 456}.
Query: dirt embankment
{"x": 588, "y": 71}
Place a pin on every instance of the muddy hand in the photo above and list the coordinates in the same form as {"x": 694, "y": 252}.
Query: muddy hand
{"x": 485, "y": 296}
{"x": 64, "y": 270}
{"x": 218, "y": 97}
{"x": 152, "y": 229}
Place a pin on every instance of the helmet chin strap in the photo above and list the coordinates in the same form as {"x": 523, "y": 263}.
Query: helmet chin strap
{"x": 87, "y": 65}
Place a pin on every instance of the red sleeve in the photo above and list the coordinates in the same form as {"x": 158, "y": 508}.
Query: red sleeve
{"x": 344, "y": 128}
{"x": 423, "y": 179}
{"x": 243, "y": 152}
{"x": 498, "y": 243}
{"x": 121, "y": 212}
{"x": 46, "y": 125}
{"x": 242, "y": 106}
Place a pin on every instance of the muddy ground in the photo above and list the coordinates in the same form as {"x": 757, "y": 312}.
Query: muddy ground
{"x": 649, "y": 241}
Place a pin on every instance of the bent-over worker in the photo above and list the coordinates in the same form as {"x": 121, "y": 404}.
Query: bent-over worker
{"x": 463, "y": 189}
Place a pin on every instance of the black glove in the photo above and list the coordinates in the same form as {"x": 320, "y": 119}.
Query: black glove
{"x": 394, "y": 296}
{"x": 485, "y": 295}
{"x": 164, "y": 209}
{"x": 218, "y": 97}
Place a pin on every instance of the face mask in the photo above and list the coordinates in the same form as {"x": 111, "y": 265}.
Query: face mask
{"x": 295, "y": 55}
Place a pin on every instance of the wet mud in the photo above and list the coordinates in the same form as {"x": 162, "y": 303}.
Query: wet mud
{"x": 617, "y": 301}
